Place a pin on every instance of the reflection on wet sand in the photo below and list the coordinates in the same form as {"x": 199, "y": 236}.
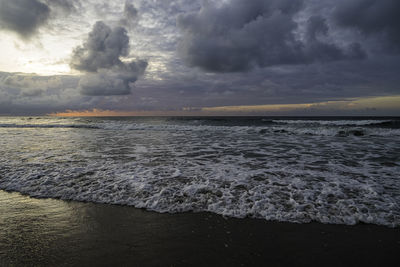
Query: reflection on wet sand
{"x": 49, "y": 232}
{"x": 31, "y": 229}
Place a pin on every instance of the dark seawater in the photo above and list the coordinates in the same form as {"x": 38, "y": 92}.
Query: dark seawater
{"x": 325, "y": 169}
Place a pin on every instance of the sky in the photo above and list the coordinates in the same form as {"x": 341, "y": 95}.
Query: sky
{"x": 200, "y": 57}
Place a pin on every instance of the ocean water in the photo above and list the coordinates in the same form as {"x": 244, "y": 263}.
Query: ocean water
{"x": 330, "y": 170}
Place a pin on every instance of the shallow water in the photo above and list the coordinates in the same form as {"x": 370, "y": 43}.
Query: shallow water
{"x": 336, "y": 170}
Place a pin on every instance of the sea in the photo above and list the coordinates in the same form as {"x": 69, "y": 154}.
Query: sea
{"x": 336, "y": 170}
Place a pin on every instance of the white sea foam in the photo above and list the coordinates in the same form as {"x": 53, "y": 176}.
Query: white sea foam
{"x": 240, "y": 171}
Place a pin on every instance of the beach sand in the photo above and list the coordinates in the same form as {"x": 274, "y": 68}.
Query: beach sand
{"x": 49, "y": 232}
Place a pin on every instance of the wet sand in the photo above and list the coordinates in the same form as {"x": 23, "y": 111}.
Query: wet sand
{"x": 48, "y": 232}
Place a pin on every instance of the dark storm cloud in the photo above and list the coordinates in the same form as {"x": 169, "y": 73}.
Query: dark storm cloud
{"x": 26, "y": 17}
{"x": 239, "y": 35}
{"x": 23, "y": 16}
{"x": 317, "y": 50}
{"x": 100, "y": 57}
{"x": 376, "y": 18}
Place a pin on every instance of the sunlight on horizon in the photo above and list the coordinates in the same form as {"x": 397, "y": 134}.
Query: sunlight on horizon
{"x": 387, "y": 102}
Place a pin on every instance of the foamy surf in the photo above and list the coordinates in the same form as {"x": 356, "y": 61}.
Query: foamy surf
{"x": 260, "y": 170}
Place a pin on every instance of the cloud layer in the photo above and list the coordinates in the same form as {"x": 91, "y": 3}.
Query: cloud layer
{"x": 198, "y": 53}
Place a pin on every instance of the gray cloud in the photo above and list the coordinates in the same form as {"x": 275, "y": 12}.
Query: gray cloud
{"x": 238, "y": 35}
{"x": 31, "y": 82}
{"x": 100, "y": 57}
{"x": 102, "y": 49}
{"x": 65, "y": 5}
{"x": 130, "y": 11}
{"x": 275, "y": 85}
{"x": 316, "y": 49}
{"x": 115, "y": 81}
{"x": 22, "y": 94}
{"x": 131, "y": 15}
{"x": 376, "y": 18}
{"x": 24, "y": 17}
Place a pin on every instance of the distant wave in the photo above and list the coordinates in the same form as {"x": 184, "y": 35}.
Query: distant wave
{"x": 12, "y": 125}
{"x": 338, "y": 122}
{"x": 318, "y": 128}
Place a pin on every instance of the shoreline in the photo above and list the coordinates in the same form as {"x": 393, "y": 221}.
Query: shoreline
{"x": 50, "y": 232}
